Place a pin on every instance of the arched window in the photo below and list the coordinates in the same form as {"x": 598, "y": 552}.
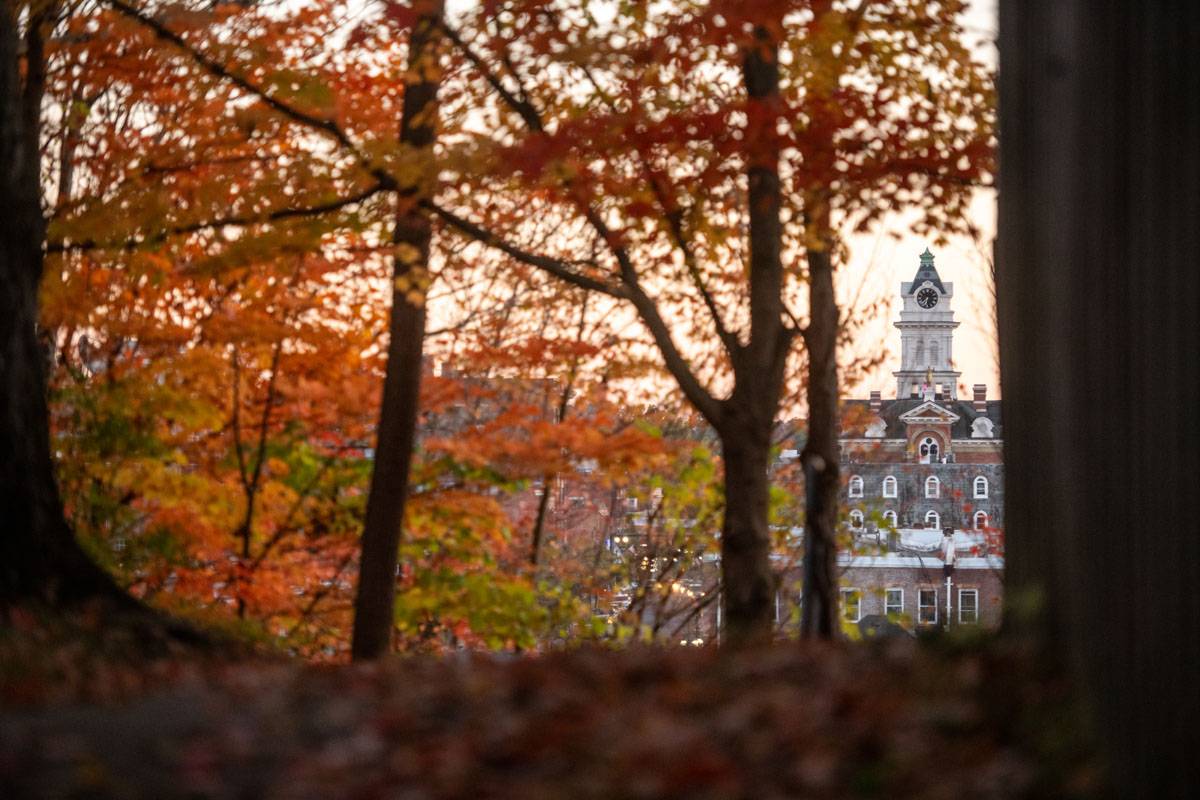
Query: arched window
{"x": 929, "y": 450}
{"x": 933, "y": 520}
{"x": 981, "y": 488}
{"x": 889, "y": 486}
{"x": 933, "y": 487}
{"x": 889, "y": 519}
{"x": 981, "y": 520}
{"x": 856, "y": 519}
{"x": 856, "y": 486}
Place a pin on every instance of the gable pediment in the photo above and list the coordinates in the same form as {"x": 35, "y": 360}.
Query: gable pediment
{"x": 929, "y": 413}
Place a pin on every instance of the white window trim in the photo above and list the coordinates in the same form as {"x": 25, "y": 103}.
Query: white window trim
{"x": 888, "y": 590}
{"x": 934, "y": 621}
{"x": 962, "y": 621}
{"x": 937, "y": 518}
{"x": 975, "y": 520}
{"x": 843, "y": 606}
{"x": 933, "y": 480}
{"x": 895, "y": 485}
{"x": 891, "y": 517}
{"x": 978, "y": 494}
{"x": 856, "y": 486}
{"x": 862, "y": 519}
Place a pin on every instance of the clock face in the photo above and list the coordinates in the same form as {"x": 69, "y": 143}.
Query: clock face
{"x": 927, "y": 298}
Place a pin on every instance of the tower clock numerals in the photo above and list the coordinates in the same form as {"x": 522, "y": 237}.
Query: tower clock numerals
{"x": 927, "y": 298}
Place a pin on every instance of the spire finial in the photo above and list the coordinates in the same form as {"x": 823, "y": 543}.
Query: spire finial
{"x": 927, "y": 256}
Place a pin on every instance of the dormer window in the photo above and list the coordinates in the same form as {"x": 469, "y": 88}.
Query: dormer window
{"x": 933, "y": 487}
{"x": 929, "y": 450}
{"x": 982, "y": 428}
{"x": 889, "y": 486}
{"x": 856, "y": 486}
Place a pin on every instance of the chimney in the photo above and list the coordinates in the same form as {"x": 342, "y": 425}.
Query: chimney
{"x": 980, "y": 402}
{"x": 876, "y": 401}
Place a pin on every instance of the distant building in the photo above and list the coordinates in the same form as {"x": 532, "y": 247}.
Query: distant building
{"x": 916, "y": 467}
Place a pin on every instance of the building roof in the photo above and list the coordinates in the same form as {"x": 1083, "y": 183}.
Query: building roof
{"x": 927, "y": 272}
{"x": 860, "y": 416}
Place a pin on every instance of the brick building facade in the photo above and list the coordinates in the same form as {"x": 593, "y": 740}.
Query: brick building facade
{"x": 915, "y": 468}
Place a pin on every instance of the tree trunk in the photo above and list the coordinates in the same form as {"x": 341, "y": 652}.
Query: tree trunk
{"x": 396, "y": 439}
{"x": 748, "y": 584}
{"x": 39, "y": 557}
{"x": 1098, "y": 297}
{"x": 748, "y": 416}
{"x": 539, "y": 522}
{"x": 820, "y": 456}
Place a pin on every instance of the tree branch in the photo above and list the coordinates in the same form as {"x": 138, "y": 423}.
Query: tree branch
{"x": 556, "y": 267}
{"x": 244, "y": 220}
{"x": 523, "y": 107}
{"x": 323, "y": 125}
{"x": 647, "y": 309}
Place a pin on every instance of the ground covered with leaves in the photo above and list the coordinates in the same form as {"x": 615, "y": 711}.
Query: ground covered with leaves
{"x": 946, "y": 719}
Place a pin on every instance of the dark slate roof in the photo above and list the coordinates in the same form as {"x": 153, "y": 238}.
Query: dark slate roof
{"x": 890, "y": 410}
{"x": 928, "y": 272}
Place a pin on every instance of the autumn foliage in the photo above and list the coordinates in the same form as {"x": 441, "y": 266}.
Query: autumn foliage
{"x": 605, "y": 350}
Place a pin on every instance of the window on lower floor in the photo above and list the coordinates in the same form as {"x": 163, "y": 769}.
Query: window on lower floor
{"x": 968, "y": 606}
{"x": 893, "y": 603}
{"x": 889, "y": 519}
{"x": 856, "y": 486}
{"x": 889, "y": 486}
{"x": 856, "y": 519}
{"x": 933, "y": 520}
{"x": 927, "y": 608}
{"x": 851, "y": 605}
{"x": 981, "y": 520}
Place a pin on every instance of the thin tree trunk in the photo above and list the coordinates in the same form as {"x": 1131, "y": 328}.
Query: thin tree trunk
{"x": 396, "y": 440}
{"x": 539, "y": 522}
{"x": 564, "y": 399}
{"x": 749, "y": 584}
{"x": 820, "y": 455}
{"x": 748, "y": 416}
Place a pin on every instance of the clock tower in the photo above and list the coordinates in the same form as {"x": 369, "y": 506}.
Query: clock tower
{"x": 926, "y": 335}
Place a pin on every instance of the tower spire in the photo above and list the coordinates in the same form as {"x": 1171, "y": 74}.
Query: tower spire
{"x": 926, "y": 271}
